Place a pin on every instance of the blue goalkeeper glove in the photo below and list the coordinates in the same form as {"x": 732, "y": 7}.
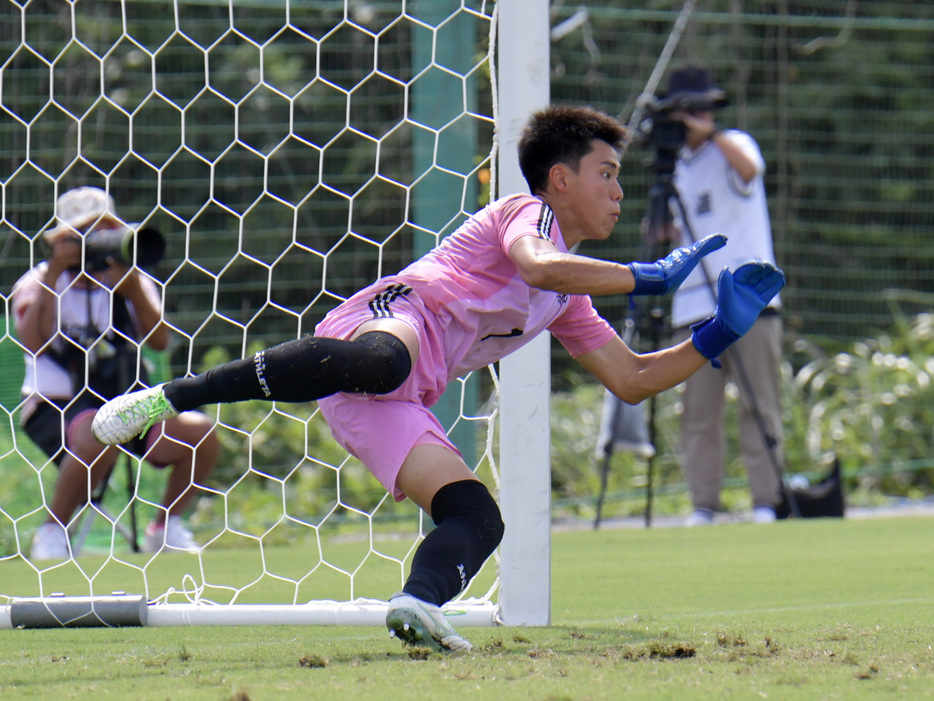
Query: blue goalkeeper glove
{"x": 741, "y": 296}
{"x": 667, "y": 274}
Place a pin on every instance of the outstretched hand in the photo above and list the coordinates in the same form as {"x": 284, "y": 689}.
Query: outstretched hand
{"x": 667, "y": 274}
{"x": 741, "y": 296}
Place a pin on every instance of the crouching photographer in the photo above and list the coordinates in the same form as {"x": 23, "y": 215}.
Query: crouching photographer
{"x": 82, "y": 316}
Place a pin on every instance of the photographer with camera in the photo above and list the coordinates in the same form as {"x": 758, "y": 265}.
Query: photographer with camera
{"x": 82, "y": 326}
{"x": 718, "y": 177}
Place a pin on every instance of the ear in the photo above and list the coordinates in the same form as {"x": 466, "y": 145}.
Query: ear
{"x": 559, "y": 177}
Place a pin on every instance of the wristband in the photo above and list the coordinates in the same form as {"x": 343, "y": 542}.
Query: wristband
{"x": 649, "y": 278}
{"x": 711, "y": 337}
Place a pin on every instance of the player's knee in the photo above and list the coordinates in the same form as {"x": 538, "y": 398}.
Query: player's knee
{"x": 470, "y": 502}
{"x": 391, "y": 360}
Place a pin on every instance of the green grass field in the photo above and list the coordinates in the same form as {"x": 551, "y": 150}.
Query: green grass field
{"x": 811, "y": 609}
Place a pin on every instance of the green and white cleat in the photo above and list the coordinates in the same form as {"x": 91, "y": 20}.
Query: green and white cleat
{"x": 420, "y": 624}
{"x": 130, "y": 415}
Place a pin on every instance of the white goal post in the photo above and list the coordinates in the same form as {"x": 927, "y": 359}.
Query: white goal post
{"x": 515, "y": 451}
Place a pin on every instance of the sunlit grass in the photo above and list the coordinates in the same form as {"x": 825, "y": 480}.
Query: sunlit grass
{"x": 809, "y": 609}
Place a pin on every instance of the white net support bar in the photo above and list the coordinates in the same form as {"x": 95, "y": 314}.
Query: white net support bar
{"x": 118, "y": 611}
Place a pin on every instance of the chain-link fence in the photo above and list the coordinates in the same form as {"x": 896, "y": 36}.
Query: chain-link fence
{"x": 838, "y": 95}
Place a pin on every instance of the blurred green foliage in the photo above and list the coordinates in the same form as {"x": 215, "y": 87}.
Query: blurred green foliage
{"x": 871, "y": 405}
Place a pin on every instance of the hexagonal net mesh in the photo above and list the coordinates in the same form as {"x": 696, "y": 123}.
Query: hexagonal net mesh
{"x": 289, "y": 153}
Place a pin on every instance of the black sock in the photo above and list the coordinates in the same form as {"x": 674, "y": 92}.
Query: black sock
{"x": 469, "y": 527}
{"x": 300, "y": 371}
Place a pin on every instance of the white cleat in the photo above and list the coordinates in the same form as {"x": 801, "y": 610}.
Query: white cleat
{"x": 420, "y": 624}
{"x": 129, "y": 415}
{"x": 50, "y": 543}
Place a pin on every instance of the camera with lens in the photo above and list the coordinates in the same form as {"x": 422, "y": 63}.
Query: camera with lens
{"x": 661, "y": 128}
{"x": 123, "y": 245}
{"x": 691, "y": 88}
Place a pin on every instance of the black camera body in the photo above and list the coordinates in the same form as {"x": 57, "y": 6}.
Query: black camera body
{"x": 103, "y": 246}
{"x": 666, "y": 132}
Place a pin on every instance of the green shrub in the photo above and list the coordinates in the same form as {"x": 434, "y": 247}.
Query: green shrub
{"x": 871, "y": 405}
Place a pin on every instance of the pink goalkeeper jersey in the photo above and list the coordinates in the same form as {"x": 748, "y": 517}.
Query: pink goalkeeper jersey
{"x": 477, "y": 308}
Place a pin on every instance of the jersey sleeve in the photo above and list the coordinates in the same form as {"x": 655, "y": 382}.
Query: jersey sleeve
{"x": 525, "y": 216}
{"x": 580, "y": 329}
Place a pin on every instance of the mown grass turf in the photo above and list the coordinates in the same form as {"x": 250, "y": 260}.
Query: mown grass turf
{"x": 799, "y": 610}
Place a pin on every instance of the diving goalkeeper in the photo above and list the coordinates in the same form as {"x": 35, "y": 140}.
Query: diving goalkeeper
{"x": 378, "y": 361}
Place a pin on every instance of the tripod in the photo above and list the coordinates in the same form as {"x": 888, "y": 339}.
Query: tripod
{"x": 619, "y": 424}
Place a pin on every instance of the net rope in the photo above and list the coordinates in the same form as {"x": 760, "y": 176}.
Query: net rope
{"x": 291, "y": 153}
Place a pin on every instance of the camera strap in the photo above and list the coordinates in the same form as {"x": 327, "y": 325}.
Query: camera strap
{"x": 109, "y": 373}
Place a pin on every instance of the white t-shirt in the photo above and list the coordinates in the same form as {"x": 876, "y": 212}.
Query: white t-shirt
{"x": 43, "y": 374}
{"x": 716, "y": 200}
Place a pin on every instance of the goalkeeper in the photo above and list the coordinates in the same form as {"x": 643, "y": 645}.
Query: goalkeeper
{"x": 379, "y": 360}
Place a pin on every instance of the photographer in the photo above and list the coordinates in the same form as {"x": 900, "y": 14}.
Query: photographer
{"x": 719, "y": 180}
{"x": 82, "y": 326}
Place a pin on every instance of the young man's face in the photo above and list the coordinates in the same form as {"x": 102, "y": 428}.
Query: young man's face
{"x": 595, "y": 192}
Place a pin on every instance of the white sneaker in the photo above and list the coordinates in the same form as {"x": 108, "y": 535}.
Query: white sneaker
{"x": 129, "y": 415}
{"x": 418, "y": 623}
{"x": 50, "y": 543}
{"x": 763, "y": 514}
{"x": 172, "y": 536}
{"x": 700, "y": 517}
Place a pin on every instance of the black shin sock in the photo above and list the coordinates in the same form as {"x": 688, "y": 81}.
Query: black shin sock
{"x": 300, "y": 371}
{"x": 469, "y": 527}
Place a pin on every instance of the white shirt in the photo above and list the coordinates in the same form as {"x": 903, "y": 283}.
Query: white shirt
{"x": 717, "y": 200}
{"x": 43, "y": 375}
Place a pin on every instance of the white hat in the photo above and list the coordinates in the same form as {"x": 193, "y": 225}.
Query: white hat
{"x": 84, "y": 205}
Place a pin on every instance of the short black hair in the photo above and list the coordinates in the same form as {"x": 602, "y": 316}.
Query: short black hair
{"x": 563, "y": 134}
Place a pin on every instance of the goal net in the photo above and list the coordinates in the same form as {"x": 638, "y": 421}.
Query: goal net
{"x": 290, "y": 153}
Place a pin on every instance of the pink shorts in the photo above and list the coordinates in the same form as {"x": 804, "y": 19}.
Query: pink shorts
{"x": 381, "y": 430}
{"x": 382, "y": 433}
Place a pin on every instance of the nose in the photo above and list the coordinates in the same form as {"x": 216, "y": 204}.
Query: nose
{"x": 618, "y": 192}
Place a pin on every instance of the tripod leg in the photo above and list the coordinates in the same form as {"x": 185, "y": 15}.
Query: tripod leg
{"x": 604, "y": 477}
{"x": 133, "y": 535}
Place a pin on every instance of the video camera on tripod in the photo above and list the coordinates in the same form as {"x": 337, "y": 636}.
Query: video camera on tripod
{"x": 663, "y": 129}
{"x": 691, "y": 90}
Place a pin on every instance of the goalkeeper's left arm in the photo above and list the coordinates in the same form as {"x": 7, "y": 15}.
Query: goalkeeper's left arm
{"x": 632, "y": 377}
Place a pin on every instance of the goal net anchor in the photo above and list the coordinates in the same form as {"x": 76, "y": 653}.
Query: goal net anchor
{"x": 59, "y": 611}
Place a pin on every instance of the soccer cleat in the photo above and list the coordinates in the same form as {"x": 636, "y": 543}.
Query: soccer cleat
{"x": 130, "y": 415}
{"x": 420, "y": 624}
{"x": 50, "y": 543}
{"x": 171, "y": 536}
